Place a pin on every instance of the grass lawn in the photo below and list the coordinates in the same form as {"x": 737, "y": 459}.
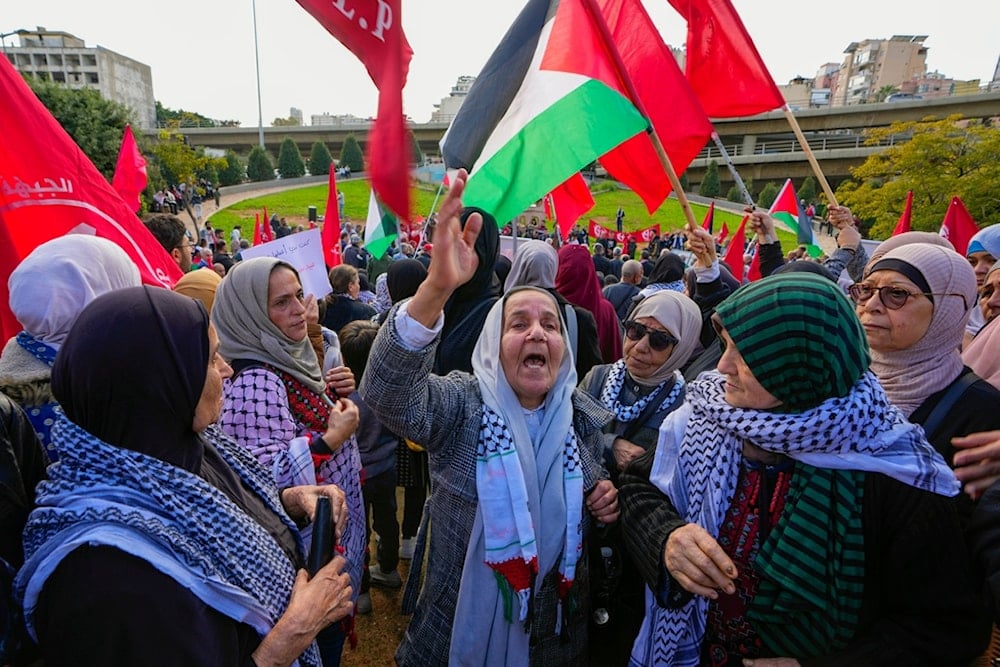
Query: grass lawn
{"x": 294, "y": 205}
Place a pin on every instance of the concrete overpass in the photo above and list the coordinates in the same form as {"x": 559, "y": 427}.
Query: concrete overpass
{"x": 762, "y": 147}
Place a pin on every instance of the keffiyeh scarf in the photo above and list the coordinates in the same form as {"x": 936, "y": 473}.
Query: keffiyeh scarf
{"x": 180, "y": 524}
{"x": 511, "y": 547}
{"x": 612, "y": 388}
{"x": 697, "y": 466}
{"x": 42, "y": 416}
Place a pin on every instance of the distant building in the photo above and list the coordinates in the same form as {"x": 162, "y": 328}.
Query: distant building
{"x": 797, "y": 92}
{"x": 875, "y": 65}
{"x": 995, "y": 83}
{"x": 342, "y": 120}
{"x": 58, "y": 56}
{"x": 446, "y": 111}
{"x": 295, "y": 114}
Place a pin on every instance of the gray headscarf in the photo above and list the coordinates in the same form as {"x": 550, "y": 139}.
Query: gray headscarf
{"x": 535, "y": 264}
{"x": 682, "y": 317}
{"x": 246, "y": 332}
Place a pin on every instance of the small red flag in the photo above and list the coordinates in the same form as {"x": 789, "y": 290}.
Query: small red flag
{"x": 49, "y": 188}
{"x": 331, "y": 224}
{"x": 266, "y": 230}
{"x": 753, "y": 272}
{"x": 723, "y": 65}
{"x": 709, "y": 220}
{"x": 130, "y": 171}
{"x": 903, "y": 224}
{"x": 724, "y": 234}
{"x": 569, "y": 202}
{"x": 958, "y": 226}
{"x": 258, "y": 237}
{"x": 734, "y": 253}
{"x": 373, "y": 31}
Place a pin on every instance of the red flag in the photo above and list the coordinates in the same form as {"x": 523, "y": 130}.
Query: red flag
{"x": 709, "y": 220}
{"x": 547, "y": 204}
{"x": 130, "y": 172}
{"x": 672, "y": 106}
{"x": 723, "y": 65}
{"x": 569, "y": 202}
{"x": 331, "y": 225}
{"x": 645, "y": 235}
{"x": 258, "y": 236}
{"x": 903, "y": 224}
{"x": 598, "y": 231}
{"x": 734, "y": 253}
{"x": 958, "y": 226}
{"x": 266, "y": 230}
{"x": 49, "y": 187}
{"x": 724, "y": 234}
{"x": 373, "y": 31}
{"x": 753, "y": 272}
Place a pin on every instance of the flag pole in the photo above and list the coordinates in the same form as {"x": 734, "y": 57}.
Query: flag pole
{"x": 747, "y": 197}
{"x": 626, "y": 81}
{"x": 827, "y": 190}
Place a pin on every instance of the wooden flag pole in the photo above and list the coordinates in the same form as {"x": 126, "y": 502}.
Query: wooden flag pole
{"x": 626, "y": 82}
{"x": 827, "y": 190}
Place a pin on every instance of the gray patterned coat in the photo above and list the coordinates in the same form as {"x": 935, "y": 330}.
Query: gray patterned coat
{"x": 444, "y": 414}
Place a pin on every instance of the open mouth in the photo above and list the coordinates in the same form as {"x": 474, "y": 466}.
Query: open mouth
{"x": 534, "y": 361}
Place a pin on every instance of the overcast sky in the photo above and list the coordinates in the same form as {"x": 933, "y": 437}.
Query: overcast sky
{"x": 202, "y": 51}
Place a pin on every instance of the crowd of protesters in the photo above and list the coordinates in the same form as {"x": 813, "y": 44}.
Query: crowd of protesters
{"x": 609, "y": 454}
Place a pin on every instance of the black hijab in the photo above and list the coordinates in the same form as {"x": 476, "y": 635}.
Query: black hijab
{"x": 132, "y": 371}
{"x": 403, "y": 277}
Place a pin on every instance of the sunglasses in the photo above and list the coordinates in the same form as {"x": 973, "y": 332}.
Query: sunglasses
{"x": 891, "y": 296}
{"x": 658, "y": 340}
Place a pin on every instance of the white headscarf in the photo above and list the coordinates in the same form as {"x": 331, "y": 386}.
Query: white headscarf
{"x": 50, "y": 287}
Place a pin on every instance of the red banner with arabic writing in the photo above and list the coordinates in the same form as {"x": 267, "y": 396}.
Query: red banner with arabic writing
{"x": 642, "y": 236}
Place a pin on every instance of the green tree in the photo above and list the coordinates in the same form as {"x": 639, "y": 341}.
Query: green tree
{"x": 767, "y": 195}
{"x": 178, "y": 162}
{"x": 285, "y": 122}
{"x": 710, "y": 185}
{"x": 351, "y": 155}
{"x": 418, "y": 155}
{"x": 884, "y": 92}
{"x": 319, "y": 159}
{"x": 177, "y": 118}
{"x": 290, "y": 164}
{"x": 943, "y": 158}
{"x": 685, "y": 183}
{"x": 234, "y": 172}
{"x": 734, "y": 194}
{"x": 807, "y": 190}
{"x": 94, "y": 123}
{"x": 259, "y": 165}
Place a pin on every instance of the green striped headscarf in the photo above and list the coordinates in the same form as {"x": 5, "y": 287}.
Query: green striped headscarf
{"x": 800, "y": 337}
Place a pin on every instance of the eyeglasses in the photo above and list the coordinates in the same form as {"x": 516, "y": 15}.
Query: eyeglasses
{"x": 658, "y": 340}
{"x": 891, "y": 296}
{"x": 190, "y": 246}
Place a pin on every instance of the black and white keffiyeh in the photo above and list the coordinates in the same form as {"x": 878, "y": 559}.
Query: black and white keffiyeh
{"x": 697, "y": 466}
{"x": 611, "y": 392}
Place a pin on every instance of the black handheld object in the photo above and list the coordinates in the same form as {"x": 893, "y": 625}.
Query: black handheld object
{"x": 322, "y": 537}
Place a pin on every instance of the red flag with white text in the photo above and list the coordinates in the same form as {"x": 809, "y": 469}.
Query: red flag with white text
{"x": 903, "y": 224}
{"x": 958, "y": 226}
{"x": 723, "y": 65}
{"x": 49, "y": 188}
{"x": 373, "y": 31}
{"x": 331, "y": 225}
{"x": 130, "y": 171}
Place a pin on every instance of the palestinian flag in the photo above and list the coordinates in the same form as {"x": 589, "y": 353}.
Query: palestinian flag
{"x": 380, "y": 229}
{"x": 547, "y": 103}
{"x": 786, "y": 209}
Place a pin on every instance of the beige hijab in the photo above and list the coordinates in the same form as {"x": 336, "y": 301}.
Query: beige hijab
{"x": 681, "y": 317}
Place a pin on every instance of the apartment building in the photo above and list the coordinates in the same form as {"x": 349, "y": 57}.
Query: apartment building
{"x": 873, "y": 65}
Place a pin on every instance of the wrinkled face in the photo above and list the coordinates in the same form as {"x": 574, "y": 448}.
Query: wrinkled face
{"x": 981, "y": 263}
{"x": 531, "y": 346}
{"x": 742, "y": 388}
{"x": 285, "y": 303}
{"x": 989, "y": 298}
{"x": 210, "y": 404}
{"x": 641, "y": 359}
{"x": 894, "y": 330}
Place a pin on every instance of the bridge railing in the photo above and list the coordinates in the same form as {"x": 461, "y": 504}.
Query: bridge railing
{"x": 776, "y": 146}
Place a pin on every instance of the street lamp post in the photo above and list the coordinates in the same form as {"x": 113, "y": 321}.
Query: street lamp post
{"x": 256, "y": 53}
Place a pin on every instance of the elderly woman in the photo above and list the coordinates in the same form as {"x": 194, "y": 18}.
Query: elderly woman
{"x": 516, "y": 463}
{"x": 48, "y": 289}
{"x": 913, "y": 304}
{"x": 279, "y": 406}
{"x": 157, "y": 539}
{"x": 641, "y": 389}
{"x": 536, "y": 265}
{"x": 789, "y": 507}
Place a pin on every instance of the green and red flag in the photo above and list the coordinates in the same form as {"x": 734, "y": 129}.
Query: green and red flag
{"x": 786, "y": 209}
{"x": 550, "y": 101}
{"x": 380, "y": 229}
